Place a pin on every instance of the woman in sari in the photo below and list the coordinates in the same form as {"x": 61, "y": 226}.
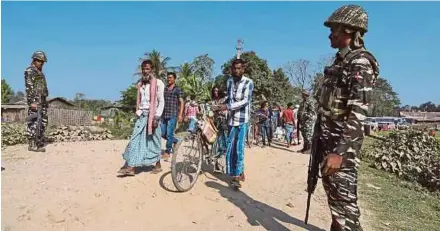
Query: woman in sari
{"x": 144, "y": 147}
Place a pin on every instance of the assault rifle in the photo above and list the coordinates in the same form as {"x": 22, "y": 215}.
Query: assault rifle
{"x": 316, "y": 157}
{"x": 39, "y": 117}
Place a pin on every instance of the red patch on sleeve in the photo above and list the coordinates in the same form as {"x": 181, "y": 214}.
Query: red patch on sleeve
{"x": 357, "y": 76}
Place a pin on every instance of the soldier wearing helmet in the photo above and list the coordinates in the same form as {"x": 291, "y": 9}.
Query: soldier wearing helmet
{"x": 36, "y": 94}
{"x": 343, "y": 101}
{"x": 306, "y": 120}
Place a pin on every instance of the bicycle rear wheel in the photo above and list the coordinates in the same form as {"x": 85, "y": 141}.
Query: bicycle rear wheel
{"x": 250, "y": 137}
{"x": 186, "y": 163}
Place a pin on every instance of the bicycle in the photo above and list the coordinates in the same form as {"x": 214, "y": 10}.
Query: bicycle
{"x": 250, "y": 136}
{"x": 198, "y": 152}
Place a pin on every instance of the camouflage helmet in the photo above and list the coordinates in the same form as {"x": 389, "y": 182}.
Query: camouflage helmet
{"x": 353, "y": 16}
{"x": 39, "y": 55}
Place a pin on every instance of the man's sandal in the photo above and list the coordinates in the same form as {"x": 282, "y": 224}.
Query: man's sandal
{"x": 126, "y": 172}
{"x": 156, "y": 170}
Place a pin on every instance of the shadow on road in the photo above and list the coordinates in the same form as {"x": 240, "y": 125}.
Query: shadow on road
{"x": 258, "y": 213}
{"x": 282, "y": 146}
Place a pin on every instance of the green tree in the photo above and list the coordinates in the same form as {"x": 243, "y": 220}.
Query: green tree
{"x": 160, "y": 64}
{"x": 384, "y": 100}
{"x": 195, "y": 78}
{"x": 7, "y": 92}
{"x": 185, "y": 70}
{"x": 128, "y": 96}
{"x": 202, "y": 67}
{"x": 79, "y": 99}
{"x": 428, "y": 107}
{"x": 220, "y": 82}
{"x": 283, "y": 91}
{"x": 190, "y": 85}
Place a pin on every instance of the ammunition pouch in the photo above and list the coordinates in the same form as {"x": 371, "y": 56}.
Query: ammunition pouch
{"x": 333, "y": 92}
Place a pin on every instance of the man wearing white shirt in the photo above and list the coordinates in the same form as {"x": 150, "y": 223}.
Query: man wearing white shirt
{"x": 144, "y": 147}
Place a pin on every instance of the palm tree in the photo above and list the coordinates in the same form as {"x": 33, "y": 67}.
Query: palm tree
{"x": 190, "y": 85}
{"x": 185, "y": 70}
{"x": 160, "y": 64}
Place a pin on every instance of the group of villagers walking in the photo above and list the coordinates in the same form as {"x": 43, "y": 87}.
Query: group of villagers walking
{"x": 159, "y": 108}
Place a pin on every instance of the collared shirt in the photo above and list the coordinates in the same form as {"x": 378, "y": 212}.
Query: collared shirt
{"x": 191, "y": 110}
{"x": 172, "y": 97}
{"x": 145, "y": 97}
{"x": 239, "y": 100}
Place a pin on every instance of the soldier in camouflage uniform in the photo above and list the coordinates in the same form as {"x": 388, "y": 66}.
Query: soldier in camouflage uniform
{"x": 36, "y": 94}
{"x": 343, "y": 99}
{"x": 307, "y": 117}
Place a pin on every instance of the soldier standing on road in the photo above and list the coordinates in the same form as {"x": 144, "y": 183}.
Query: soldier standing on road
{"x": 307, "y": 117}
{"x": 344, "y": 99}
{"x": 36, "y": 94}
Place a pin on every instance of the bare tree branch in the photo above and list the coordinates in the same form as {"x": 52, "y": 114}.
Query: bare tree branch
{"x": 323, "y": 61}
{"x": 299, "y": 73}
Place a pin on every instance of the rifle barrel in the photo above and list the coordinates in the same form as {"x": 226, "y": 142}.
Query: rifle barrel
{"x": 306, "y": 219}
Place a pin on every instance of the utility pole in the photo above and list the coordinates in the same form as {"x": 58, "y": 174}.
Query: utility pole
{"x": 239, "y": 47}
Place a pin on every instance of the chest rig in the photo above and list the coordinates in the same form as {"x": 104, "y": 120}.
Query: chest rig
{"x": 334, "y": 90}
{"x": 40, "y": 84}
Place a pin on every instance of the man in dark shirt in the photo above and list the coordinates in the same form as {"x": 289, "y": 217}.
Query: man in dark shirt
{"x": 265, "y": 122}
{"x": 172, "y": 113}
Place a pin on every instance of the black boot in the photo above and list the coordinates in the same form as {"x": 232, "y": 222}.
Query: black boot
{"x": 307, "y": 149}
{"x": 304, "y": 147}
{"x": 32, "y": 147}
{"x": 40, "y": 149}
{"x": 39, "y": 146}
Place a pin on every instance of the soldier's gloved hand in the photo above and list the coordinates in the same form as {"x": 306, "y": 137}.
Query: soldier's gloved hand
{"x": 332, "y": 164}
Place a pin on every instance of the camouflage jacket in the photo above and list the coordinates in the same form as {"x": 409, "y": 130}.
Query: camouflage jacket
{"x": 36, "y": 86}
{"x": 307, "y": 112}
{"x": 344, "y": 99}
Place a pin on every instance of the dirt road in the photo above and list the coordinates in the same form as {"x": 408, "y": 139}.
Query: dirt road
{"x": 73, "y": 187}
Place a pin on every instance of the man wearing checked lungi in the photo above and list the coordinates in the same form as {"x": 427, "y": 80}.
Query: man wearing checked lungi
{"x": 144, "y": 147}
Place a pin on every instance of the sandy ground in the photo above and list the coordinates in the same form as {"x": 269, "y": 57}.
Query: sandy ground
{"x": 74, "y": 186}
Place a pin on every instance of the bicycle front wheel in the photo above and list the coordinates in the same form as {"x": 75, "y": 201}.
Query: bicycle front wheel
{"x": 186, "y": 163}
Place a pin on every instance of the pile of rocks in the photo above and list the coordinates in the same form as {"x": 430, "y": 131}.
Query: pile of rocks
{"x": 15, "y": 133}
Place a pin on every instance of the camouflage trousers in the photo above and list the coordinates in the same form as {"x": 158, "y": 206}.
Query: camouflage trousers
{"x": 307, "y": 130}
{"x": 32, "y": 128}
{"x": 341, "y": 190}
